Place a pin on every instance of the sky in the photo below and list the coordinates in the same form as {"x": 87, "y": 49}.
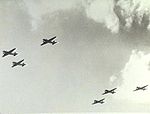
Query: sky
{"x": 102, "y": 44}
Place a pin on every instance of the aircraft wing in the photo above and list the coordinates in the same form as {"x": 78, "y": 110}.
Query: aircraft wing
{"x": 21, "y": 61}
{"x": 135, "y": 90}
{"x": 94, "y": 102}
{"x": 104, "y": 93}
{"x": 4, "y": 55}
{"x": 114, "y": 89}
{"x": 145, "y": 86}
{"x": 12, "y": 50}
{"x": 102, "y": 99}
{"x": 14, "y": 64}
{"x": 53, "y": 38}
{"x": 44, "y": 43}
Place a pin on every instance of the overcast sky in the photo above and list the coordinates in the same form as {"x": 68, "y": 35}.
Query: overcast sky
{"x": 102, "y": 44}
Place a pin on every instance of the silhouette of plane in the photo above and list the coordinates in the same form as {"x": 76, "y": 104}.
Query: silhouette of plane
{"x": 51, "y": 40}
{"x": 19, "y": 63}
{"x": 5, "y": 53}
{"x": 100, "y": 101}
{"x": 140, "y": 88}
{"x": 112, "y": 91}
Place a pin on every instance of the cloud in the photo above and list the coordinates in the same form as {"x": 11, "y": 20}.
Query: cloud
{"x": 102, "y": 12}
{"x": 134, "y": 11}
{"x": 113, "y": 14}
{"x": 135, "y": 73}
{"x": 119, "y": 14}
{"x": 39, "y": 8}
{"x": 113, "y": 78}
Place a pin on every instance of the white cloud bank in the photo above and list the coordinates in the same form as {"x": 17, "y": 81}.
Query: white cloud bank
{"x": 135, "y": 73}
{"x": 106, "y": 12}
{"x": 103, "y": 11}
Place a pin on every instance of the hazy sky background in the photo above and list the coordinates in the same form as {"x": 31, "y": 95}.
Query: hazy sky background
{"x": 101, "y": 44}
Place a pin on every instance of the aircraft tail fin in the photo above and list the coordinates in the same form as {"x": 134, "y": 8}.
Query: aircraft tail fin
{"x": 15, "y": 54}
{"x": 144, "y": 88}
{"x": 23, "y": 64}
{"x": 113, "y": 92}
{"x": 54, "y": 42}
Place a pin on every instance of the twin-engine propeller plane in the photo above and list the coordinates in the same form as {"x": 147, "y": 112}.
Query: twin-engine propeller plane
{"x": 10, "y": 52}
{"x": 19, "y": 63}
{"x": 51, "y": 40}
{"x": 140, "y": 88}
{"x": 112, "y": 91}
{"x": 98, "y": 101}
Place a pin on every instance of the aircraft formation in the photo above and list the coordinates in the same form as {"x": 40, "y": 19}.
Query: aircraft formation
{"x": 52, "y": 41}
{"x": 13, "y": 52}
{"x": 112, "y": 91}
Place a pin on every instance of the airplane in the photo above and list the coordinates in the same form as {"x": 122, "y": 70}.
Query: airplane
{"x": 140, "y": 88}
{"x": 5, "y": 53}
{"x": 109, "y": 91}
{"x": 100, "y": 101}
{"x": 51, "y": 40}
{"x": 19, "y": 63}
